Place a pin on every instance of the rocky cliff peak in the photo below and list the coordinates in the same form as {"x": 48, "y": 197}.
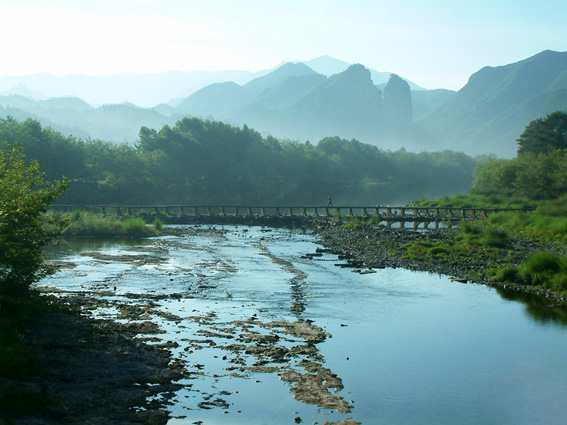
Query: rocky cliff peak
{"x": 398, "y": 109}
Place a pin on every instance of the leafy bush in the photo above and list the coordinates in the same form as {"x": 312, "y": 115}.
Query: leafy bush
{"x": 24, "y": 198}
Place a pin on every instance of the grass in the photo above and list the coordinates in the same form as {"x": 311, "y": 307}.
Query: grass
{"x": 547, "y": 223}
{"x": 81, "y": 223}
{"x": 477, "y": 201}
{"x": 544, "y": 269}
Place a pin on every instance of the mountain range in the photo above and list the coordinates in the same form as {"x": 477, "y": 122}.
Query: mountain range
{"x": 307, "y": 101}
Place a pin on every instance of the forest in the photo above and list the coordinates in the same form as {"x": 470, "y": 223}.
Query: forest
{"x": 202, "y": 162}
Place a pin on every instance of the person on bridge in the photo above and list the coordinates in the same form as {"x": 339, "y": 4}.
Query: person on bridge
{"x": 329, "y": 202}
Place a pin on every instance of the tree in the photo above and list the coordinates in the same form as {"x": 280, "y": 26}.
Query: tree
{"x": 24, "y": 198}
{"x": 544, "y": 134}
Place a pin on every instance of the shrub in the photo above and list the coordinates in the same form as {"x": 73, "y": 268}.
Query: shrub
{"x": 469, "y": 228}
{"x": 542, "y": 261}
{"x": 158, "y": 224}
{"x": 134, "y": 227}
{"x": 438, "y": 252}
{"x": 495, "y": 237}
{"x": 507, "y": 274}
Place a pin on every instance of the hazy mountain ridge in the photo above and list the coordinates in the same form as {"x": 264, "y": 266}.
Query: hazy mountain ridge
{"x": 492, "y": 109}
{"x": 70, "y": 116}
{"x": 295, "y": 101}
{"x": 145, "y": 90}
{"x": 298, "y": 103}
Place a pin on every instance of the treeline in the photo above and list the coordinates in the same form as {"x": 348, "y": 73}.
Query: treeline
{"x": 539, "y": 171}
{"x": 207, "y": 162}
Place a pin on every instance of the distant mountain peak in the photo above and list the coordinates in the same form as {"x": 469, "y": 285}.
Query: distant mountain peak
{"x": 327, "y": 65}
{"x": 288, "y": 69}
{"x": 22, "y": 90}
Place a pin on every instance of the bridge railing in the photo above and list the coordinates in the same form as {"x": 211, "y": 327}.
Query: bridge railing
{"x": 408, "y": 213}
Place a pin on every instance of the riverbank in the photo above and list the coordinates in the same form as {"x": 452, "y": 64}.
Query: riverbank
{"x": 375, "y": 247}
{"x": 93, "y": 371}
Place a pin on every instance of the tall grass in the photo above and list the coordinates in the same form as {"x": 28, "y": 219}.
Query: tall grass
{"x": 537, "y": 224}
{"x": 543, "y": 268}
{"x": 479, "y": 235}
{"x": 477, "y": 201}
{"x": 81, "y": 223}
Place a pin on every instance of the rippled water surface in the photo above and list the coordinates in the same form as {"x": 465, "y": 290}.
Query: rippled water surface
{"x": 408, "y": 347}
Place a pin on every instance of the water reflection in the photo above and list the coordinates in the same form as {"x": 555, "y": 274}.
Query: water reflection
{"x": 73, "y": 245}
{"x": 540, "y": 309}
{"x": 399, "y": 338}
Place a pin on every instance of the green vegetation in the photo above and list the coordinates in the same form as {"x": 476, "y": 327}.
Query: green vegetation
{"x": 207, "y": 163}
{"x": 469, "y": 241}
{"x": 536, "y": 179}
{"x": 24, "y": 198}
{"x": 82, "y": 223}
{"x": 543, "y": 268}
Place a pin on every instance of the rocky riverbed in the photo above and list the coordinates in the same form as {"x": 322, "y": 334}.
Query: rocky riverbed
{"x": 372, "y": 247}
{"x": 96, "y": 371}
{"x": 121, "y": 371}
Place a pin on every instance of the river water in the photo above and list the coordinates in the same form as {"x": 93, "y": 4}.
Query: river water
{"x": 393, "y": 347}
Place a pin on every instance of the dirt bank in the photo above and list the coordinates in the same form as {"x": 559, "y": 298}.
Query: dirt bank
{"x": 96, "y": 372}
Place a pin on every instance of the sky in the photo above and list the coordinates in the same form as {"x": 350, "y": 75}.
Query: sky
{"x": 434, "y": 43}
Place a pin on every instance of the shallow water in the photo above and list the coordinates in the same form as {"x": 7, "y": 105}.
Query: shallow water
{"x": 409, "y": 347}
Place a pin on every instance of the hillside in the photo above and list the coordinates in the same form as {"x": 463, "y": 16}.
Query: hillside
{"x": 492, "y": 109}
{"x": 74, "y": 117}
{"x": 298, "y": 102}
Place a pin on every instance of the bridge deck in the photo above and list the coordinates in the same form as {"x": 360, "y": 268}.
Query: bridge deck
{"x": 385, "y": 213}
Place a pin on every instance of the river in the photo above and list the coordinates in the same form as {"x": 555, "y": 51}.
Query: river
{"x": 272, "y": 336}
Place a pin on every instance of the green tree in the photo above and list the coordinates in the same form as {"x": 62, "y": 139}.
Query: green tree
{"x": 24, "y": 197}
{"x": 544, "y": 134}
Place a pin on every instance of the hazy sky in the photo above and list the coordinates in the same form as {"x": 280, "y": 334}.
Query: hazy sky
{"x": 434, "y": 43}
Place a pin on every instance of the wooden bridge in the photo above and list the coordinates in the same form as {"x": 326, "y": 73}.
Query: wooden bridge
{"x": 387, "y": 214}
